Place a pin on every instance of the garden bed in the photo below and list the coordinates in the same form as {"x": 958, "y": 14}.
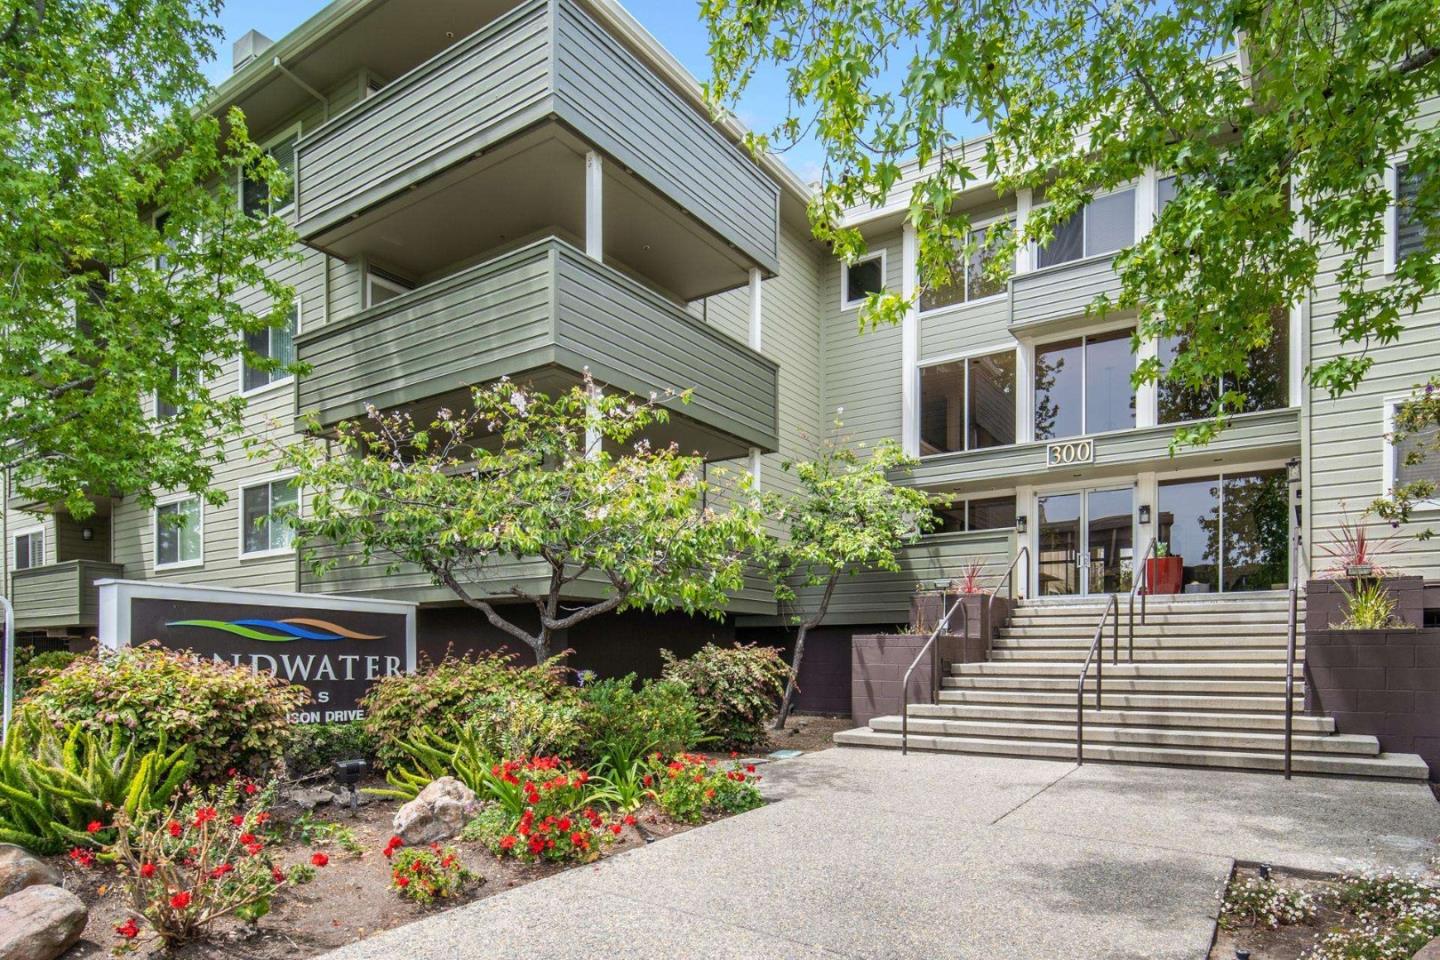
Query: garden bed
{"x": 1306, "y": 916}
{"x": 350, "y": 897}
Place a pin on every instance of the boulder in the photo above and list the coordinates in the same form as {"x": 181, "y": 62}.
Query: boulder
{"x": 1431, "y": 951}
{"x": 308, "y": 798}
{"x": 39, "y": 923}
{"x": 18, "y": 870}
{"x": 438, "y": 813}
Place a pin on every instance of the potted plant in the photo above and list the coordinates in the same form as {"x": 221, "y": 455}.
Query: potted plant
{"x": 1164, "y": 574}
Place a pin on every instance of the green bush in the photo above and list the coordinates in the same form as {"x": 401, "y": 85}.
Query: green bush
{"x": 735, "y": 689}
{"x": 233, "y": 717}
{"x": 622, "y": 723}
{"x": 505, "y": 704}
{"x": 31, "y": 668}
{"x": 315, "y": 746}
{"x": 60, "y": 789}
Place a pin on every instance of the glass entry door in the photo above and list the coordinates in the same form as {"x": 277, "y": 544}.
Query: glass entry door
{"x": 1086, "y": 542}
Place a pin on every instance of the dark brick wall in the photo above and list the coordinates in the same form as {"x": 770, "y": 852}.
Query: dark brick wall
{"x": 1325, "y": 601}
{"x": 1385, "y": 683}
{"x": 878, "y": 665}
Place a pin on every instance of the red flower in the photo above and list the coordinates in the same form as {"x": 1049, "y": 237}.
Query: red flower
{"x": 630, "y": 820}
{"x": 94, "y": 826}
{"x": 254, "y": 849}
{"x": 278, "y": 875}
{"x": 128, "y": 929}
{"x": 174, "y": 828}
{"x": 180, "y": 901}
{"x": 749, "y": 768}
{"x": 507, "y": 842}
{"x": 147, "y": 869}
{"x": 647, "y": 779}
{"x": 232, "y": 773}
{"x": 250, "y": 789}
{"x": 615, "y": 828}
{"x": 261, "y": 817}
{"x": 247, "y": 838}
{"x": 319, "y": 859}
{"x": 205, "y": 815}
{"x": 221, "y": 870}
{"x": 564, "y": 824}
{"x": 82, "y": 857}
{"x": 402, "y": 881}
{"x": 238, "y": 820}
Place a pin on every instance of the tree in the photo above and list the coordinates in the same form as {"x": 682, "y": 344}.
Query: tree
{"x": 102, "y": 125}
{"x": 525, "y": 476}
{"x": 1417, "y": 434}
{"x": 845, "y": 517}
{"x": 1278, "y": 119}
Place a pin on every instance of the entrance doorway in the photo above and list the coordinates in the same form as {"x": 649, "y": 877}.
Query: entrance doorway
{"x": 1086, "y": 542}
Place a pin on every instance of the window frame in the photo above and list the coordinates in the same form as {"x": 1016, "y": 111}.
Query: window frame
{"x": 1391, "y": 251}
{"x": 292, "y": 130}
{"x": 1084, "y": 335}
{"x": 1387, "y": 456}
{"x": 1086, "y": 255}
{"x": 983, "y": 226}
{"x": 846, "y": 304}
{"x": 375, "y": 278}
{"x": 965, "y": 357}
{"x": 252, "y": 484}
{"x": 280, "y": 381}
{"x": 962, "y": 502}
{"x": 167, "y": 501}
{"x": 28, "y": 532}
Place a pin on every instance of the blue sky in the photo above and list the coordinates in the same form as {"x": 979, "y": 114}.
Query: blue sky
{"x": 675, "y": 23}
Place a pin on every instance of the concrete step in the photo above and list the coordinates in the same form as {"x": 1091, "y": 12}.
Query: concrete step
{"x": 1151, "y": 615}
{"x": 1348, "y": 744}
{"x": 1207, "y": 720}
{"x": 1404, "y": 766}
{"x": 1123, "y": 669}
{"x": 1116, "y": 700}
{"x": 1255, "y": 604}
{"x": 1276, "y": 642}
{"x": 1076, "y": 654}
{"x": 1115, "y": 684}
{"x": 1216, "y": 628}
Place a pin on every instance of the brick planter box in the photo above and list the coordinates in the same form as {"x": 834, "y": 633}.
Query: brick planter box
{"x": 1385, "y": 683}
{"x": 1325, "y": 601}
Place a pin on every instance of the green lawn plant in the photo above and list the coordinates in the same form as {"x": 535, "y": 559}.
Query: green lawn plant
{"x": 64, "y": 788}
{"x": 736, "y": 690}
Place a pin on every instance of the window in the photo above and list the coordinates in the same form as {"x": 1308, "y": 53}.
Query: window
{"x": 179, "y": 533}
{"x": 1409, "y": 231}
{"x": 1165, "y": 190}
{"x": 1083, "y": 386}
{"x": 161, "y": 219}
{"x": 1265, "y": 383}
{"x": 1104, "y": 225}
{"x": 980, "y": 513}
{"x": 261, "y": 532}
{"x": 969, "y": 272}
{"x": 165, "y": 409}
{"x": 860, "y": 279}
{"x": 275, "y": 343}
{"x": 968, "y": 404}
{"x": 255, "y": 196}
{"x": 1228, "y": 533}
{"x": 30, "y": 550}
{"x": 1414, "y": 458}
{"x": 381, "y": 287}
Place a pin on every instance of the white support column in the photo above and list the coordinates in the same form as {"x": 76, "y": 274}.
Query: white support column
{"x": 756, "y": 462}
{"x": 1300, "y": 308}
{"x": 910, "y": 343}
{"x": 1025, "y": 507}
{"x": 1146, "y": 203}
{"x": 1025, "y": 392}
{"x": 757, "y": 341}
{"x": 594, "y": 221}
{"x": 1147, "y": 397}
{"x": 593, "y": 437}
{"x": 1147, "y": 494}
{"x": 1023, "y": 201}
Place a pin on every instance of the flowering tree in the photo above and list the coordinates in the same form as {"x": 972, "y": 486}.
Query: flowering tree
{"x": 565, "y": 481}
{"x": 846, "y": 517}
{"x": 1417, "y": 433}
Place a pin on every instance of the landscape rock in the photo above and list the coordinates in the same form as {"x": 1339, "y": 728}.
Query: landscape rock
{"x": 308, "y": 798}
{"x": 1431, "y": 951}
{"x": 18, "y": 870}
{"x": 39, "y": 923}
{"x": 438, "y": 813}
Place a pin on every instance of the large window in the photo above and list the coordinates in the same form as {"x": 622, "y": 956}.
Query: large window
{"x": 255, "y": 196}
{"x": 1083, "y": 386}
{"x": 1265, "y": 382}
{"x": 1409, "y": 231}
{"x": 860, "y": 279}
{"x": 970, "y": 281}
{"x": 1227, "y": 533}
{"x": 1415, "y": 458}
{"x": 179, "y": 533}
{"x": 1104, "y": 225}
{"x": 977, "y": 513}
{"x": 968, "y": 404}
{"x": 261, "y": 531}
{"x": 276, "y": 343}
{"x": 30, "y": 550}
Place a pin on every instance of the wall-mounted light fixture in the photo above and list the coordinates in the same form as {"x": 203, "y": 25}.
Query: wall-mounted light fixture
{"x": 1144, "y": 513}
{"x": 1020, "y": 523}
{"x": 87, "y": 534}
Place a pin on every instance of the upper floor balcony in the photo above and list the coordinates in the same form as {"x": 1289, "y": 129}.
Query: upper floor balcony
{"x": 493, "y": 139}
{"x": 543, "y": 314}
{"x": 60, "y": 595}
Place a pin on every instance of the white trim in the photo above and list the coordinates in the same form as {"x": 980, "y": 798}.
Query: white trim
{"x": 980, "y": 225}
{"x": 909, "y": 333}
{"x": 1387, "y": 455}
{"x": 284, "y": 134}
{"x": 30, "y": 531}
{"x": 166, "y": 501}
{"x": 1024, "y": 256}
{"x": 845, "y": 303}
{"x": 289, "y": 378}
{"x": 594, "y": 205}
{"x": 378, "y": 280}
{"x": 757, "y": 316}
{"x": 1392, "y": 215}
{"x": 251, "y": 484}
{"x": 967, "y": 354}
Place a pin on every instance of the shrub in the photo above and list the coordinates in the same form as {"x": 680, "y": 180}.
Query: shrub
{"x": 314, "y": 747}
{"x": 690, "y": 788}
{"x": 622, "y": 724}
{"x": 1370, "y": 606}
{"x": 736, "y": 689}
{"x": 427, "y": 874}
{"x": 57, "y": 791}
{"x": 488, "y": 826}
{"x": 455, "y": 691}
{"x": 233, "y": 717}
{"x": 32, "y": 668}
{"x": 1401, "y": 941}
{"x": 1386, "y": 894}
{"x": 1263, "y": 902}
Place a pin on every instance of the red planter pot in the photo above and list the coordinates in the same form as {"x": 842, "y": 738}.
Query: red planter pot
{"x": 1164, "y": 574}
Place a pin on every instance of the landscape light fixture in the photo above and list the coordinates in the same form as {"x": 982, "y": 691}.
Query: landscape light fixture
{"x": 87, "y": 534}
{"x": 1264, "y": 871}
{"x": 347, "y": 775}
{"x": 1144, "y": 513}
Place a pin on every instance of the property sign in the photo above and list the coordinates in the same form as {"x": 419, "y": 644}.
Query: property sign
{"x": 1070, "y": 452}
{"x": 334, "y": 646}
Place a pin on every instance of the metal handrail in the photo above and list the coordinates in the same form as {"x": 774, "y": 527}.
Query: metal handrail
{"x": 1111, "y": 606}
{"x": 1142, "y": 579}
{"x": 934, "y": 667}
{"x": 1008, "y": 580}
{"x": 1290, "y": 674}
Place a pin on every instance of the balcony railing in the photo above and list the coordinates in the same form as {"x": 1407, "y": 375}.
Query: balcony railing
{"x": 59, "y": 594}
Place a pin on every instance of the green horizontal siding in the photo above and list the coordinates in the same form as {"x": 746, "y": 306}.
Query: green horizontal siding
{"x": 59, "y": 594}
{"x": 1060, "y": 293}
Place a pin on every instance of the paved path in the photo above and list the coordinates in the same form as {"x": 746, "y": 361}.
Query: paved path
{"x": 871, "y": 854}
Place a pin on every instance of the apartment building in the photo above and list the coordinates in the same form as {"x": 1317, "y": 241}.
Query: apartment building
{"x": 531, "y": 190}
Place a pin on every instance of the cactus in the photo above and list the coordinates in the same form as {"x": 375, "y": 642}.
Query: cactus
{"x": 54, "y": 783}
{"x": 433, "y": 757}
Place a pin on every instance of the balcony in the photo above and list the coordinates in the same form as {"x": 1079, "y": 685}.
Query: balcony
{"x": 498, "y": 125}
{"x": 1043, "y": 299}
{"x": 59, "y": 595}
{"x": 542, "y": 314}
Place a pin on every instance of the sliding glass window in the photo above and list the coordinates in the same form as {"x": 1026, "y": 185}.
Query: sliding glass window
{"x": 1265, "y": 382}
{"x": 969, "y": 271}
{"x": 1228, "y": 533}
{"x": 968, "y": 404}
{"x": 1105, "y": 225}
{"x": 982, "y": 513}
{"x": 1083, "y": 386}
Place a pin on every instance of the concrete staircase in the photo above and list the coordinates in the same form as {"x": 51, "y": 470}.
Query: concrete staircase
{"x": 1206, "y": 687}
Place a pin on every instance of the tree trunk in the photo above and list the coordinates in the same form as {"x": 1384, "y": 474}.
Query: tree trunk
{"x": 788, "y": 703}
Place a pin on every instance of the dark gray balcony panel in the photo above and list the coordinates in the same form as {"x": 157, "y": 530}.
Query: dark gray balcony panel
{"x": 59, "y": 595}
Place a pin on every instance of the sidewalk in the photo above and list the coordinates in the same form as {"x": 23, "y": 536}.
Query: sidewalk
{"x": 871, "y": 854}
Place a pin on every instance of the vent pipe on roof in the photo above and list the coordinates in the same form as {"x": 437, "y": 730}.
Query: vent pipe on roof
{"x": 249, "y": 47}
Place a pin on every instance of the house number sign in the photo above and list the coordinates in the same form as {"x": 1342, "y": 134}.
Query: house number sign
{"x": 1070, "y": 452}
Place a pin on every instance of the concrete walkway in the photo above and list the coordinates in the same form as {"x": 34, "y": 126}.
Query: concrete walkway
{"x": 871, "y": 854}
